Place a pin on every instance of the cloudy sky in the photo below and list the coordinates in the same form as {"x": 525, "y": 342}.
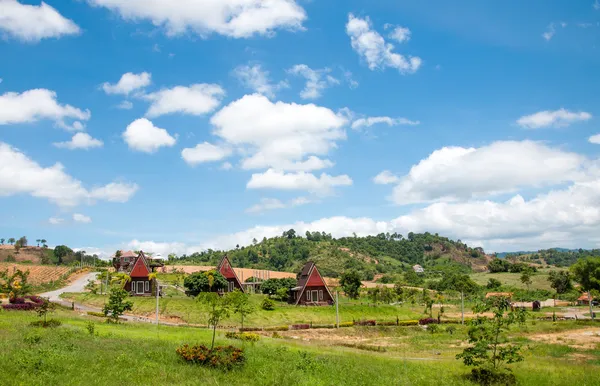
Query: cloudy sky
{"x": 178, "y": 126}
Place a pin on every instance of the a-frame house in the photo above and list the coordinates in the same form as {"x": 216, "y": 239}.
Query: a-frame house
{"x": 139, "y": 270}
{"x": 225, "y": 269}
{"x": 311, "y": 288}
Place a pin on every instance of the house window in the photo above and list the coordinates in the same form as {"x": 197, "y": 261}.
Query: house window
{"x": 321, "y": 295}
{"x": 308, "y": 296}
{"x": 147, "y": 286}
{"x": 231, "y": 286}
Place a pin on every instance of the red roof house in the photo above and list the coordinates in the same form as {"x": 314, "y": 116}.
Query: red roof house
{"x": 584, "y": 299}
{"x": 311, "y": 288}
{"x": 225, "y": 269}
{"x": 138, "y": 268}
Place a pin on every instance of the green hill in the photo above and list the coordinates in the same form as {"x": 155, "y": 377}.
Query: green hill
{"x": 382, "y": 254}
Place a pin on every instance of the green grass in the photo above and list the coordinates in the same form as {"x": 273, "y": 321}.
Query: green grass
{"x": 142, "y": 354}
{"x": 187, "y": 310}
{"x": 539, "y": 279}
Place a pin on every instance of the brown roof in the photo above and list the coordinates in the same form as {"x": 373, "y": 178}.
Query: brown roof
{"x": 505, "y": 294}
{"x": 584, "y": 297}
{"x": 304, "y": 274}
{"x": 128, "y": 254}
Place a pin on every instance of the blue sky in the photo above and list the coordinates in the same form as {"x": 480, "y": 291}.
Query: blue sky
{"x": 130, "y": 124}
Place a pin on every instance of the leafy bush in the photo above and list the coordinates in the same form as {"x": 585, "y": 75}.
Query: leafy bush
{"x": 487, "y": 377}
{"x": 347, "y": 324}
{"x": 426, "y": 321}
{"x": 387, "y": 323}
{"x": 408, "y": 322}
{"x": 364, "y": 347}
{"x": 451, "y": 330}
{"x": 17, "y": 301}
{"x": 365, "y": 323}
{"x": 250, "y": 329}
{"x": 323, "y": 326}
{"x": 300, "y": 326}
{"x": 243, "y": 336}
{"x": 90, "y": 327}
{"x": 277, "y": 328}
{"x": 33, "y": 338}
{"x": 222, "y": 357}
{"x": 433, "y": 328}
{"x": 268, "y": 304}
{"x": 204, "y": 282}
{"x": 52, "y": 323}
{"x": 19, "y": 307}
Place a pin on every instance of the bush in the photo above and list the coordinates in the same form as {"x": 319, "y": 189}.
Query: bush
{"x": 426, "y": 321}
{"x": 277, "y": 328}
{"x": 48, "y": 324}
{"x": 387, "y": 323}
{"x": 90, "y": 327}
{"x": 98, "y": 314}
{"x": 489, "y": 377}
{"x": 16, "y": 301}
{"x": 347, "y": 324}
{"x": 451, "y": 330}
{"x": 323, "y": 326}
{"x": 364, "y": 347}
{"x": 19, "y": 307}
{"x": 250, "y": 329}
{"x": 243, "y": 336}
{"x": 299, "y": 326}
{"x": 408, "y": 322}
{"x": 433, "y": 328}
{"x": 365, "y": 323}
{"x": 222, "y": 357}
{"x": 268, "y": 304}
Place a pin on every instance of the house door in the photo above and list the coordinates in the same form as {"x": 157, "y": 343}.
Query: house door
{"x": 140, "y": 287}
{"x": 314, "y": 296}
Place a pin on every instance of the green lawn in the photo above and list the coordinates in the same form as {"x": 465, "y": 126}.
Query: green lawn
{"x": 187, "y": 309}
{"x": 135, "y": 354}
{"x": 539, "y": 279}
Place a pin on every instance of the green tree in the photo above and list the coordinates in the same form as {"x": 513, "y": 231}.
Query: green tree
{"x": 560, "y": 281}
{"x": 498, "y": 265}
{"x": 489, "y": 352}
{"x": 11, "y": 240}
{"x": 44, "y": 309}
{"x": 204, "y": 282}
{"x": 350, "y": 283}
{"x": 117, "y": 304}
{"x": 587, "y": 273}
{"x": 22, "y": 241}
{"x": 412, "y": 278}
{"x": 526, "y": 278}
{"x": 38, "y": 242}
{"x": 240, "y": 304}
{"x": 62, "y": 251}
{"x": 217, "y": 307}
{"x": 2, "y": 241}
{"x": 493, "y": 284}
{"x": 44, "y": 241}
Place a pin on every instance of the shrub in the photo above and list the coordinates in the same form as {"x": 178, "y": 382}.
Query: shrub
{"x": 426, "y": 321}
{"x": 90, "y": 327}
{"x": 323, "y": 326}
{"x": 433, "y": 328}
{"x": 52, "y": 323}
{"x": 98, "y": 314}
{"x": 276, "y": 335}
{"x": 387, "y": 323}
{"x": 268, "y": 304}
{"x": 222, "y": 357}
{"x": 19, "y": 307}
{"x": 347, "y": 324}
{"x": 365, "y": 323}
{"x": 451, "y": 330}
{"x": 243, "y": 336}
{"x": 364, "y": 347}
{"x": 17, "y": 301}
{"x": 408, "y": 322}
{"x": 300, "y": 326}
{"x": 250, "y": 329}
{"x": 486, "y": 377}
{"x": 277, "y": 328}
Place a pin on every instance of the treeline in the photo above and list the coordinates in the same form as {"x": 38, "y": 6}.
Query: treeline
{"x": 384, "y": 253}
{"x": 557, "y": 257}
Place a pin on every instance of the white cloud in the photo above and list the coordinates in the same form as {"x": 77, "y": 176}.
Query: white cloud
{"x": 125, "y": 105}
{"x": 266, "y": 204}
{"x": 205, "y": 152}
{"x": 386, "y": 177}
{"x": 226, "y": 166}
{"x": 21, "y": 175}
{"x": 595, "y": 139}
{"x": 557, "y": 118}
{"x": 163, "y": 249}
{"x": 197, "y": 99}
{"x": 128, "y": 83}
{"x": 142, "y": 135}
{"x": 32, "y": 23}
{"x": 34, "y": 105}
{"x": 78, "y": 217}
{"x": 234, "y": 18}
{"x": 453, "y": 173}
{"x": 316, "y": 80}
{"x": 399, "y": 34}
{"x": 80, "y": 141}
{"x": 257, "y": 79}
{"x": 373, "y": 48}
{"x": 55, "y": 220}
{"x": 550, "y": 31}
{"x": 350, "y": 80}
{"x": 114, "y": 192}
{"x": 275, "y": 134}
{"x": 370, "y": 121}
{"x": 322, "y": 185}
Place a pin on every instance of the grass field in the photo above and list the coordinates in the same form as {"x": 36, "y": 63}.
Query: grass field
{"x": 142, "y": 354}
{"x": 186, "y": 309}
{"x": 539, "y": 279}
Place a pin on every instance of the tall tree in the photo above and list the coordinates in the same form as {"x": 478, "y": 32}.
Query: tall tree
{"x": 2, "y": 241}
{"x": 44, "y": 241}
{"x": 350, "y": 282}
{"x": 560, "y": 281}
{"x": 61, "y": 251}
{"x": 526, "y": 278}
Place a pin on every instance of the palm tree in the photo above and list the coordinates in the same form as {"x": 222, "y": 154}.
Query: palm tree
{"x": 2, "y": 241}
{"x": 38, "y": 242}
{"x": 11, "y": 241}
{"x": 121, "y": 279}
{"x": 44, "y": 241}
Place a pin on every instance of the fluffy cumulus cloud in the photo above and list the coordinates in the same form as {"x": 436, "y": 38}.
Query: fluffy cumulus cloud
{"x": 267, "y": 204}
{"x": 19, "y": 174}
{"x": 205, "y": 152}
{"x": 128, "y": 83}
{"x": 273, "y": 179}
{"x": 257, "y": 79}
{"x": 385, "y": 178}
{"x": 316, "y": 80}
{"x": 55, "y": 220}
{"x": 372, "y": 47}
{"x": 81, "y": 218}
{"x": 370, "y": 121}
{"x": 37, "y": 104}
{"x": 80, "y": 141}
{"x": 142, "y": 135}
{"x": 455, "y": 173}
{"x": 273, "y": 134}
{"x": 125, "y": 105}
{"x": 595, "y": 139}
{"x": 197, "y": 99}
{"x": 32, "y": 23}
{"x": 398, "y": 33}
{"x": 557, "y": 118}
{"x": 234, "y": 18}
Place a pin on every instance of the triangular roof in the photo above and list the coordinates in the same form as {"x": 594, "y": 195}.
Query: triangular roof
{"x": 140, "y": 266}
{"x": 310, "y": 275}
{"x": 225, "y": 269}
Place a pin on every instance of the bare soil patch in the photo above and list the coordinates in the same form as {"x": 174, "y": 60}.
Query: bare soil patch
{"x": 585, "y": 338}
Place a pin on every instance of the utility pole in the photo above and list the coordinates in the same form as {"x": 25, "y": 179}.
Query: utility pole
{"x": 590, "y": 303}
{"x": 157, "y": 291}
{"x": 462, "y": 306}
{"x": 337, "y": 310}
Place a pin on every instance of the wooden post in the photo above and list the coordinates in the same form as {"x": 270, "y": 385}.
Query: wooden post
{"x": 337, "y": 311}
{"x": 590, "y": 303}
{"x": 462, "y": 306}
{"x": 157, "y": 291}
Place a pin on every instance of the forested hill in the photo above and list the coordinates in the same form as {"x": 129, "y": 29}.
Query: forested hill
{"x": 384, "y": 254}
{"x": 559, "y": 257}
